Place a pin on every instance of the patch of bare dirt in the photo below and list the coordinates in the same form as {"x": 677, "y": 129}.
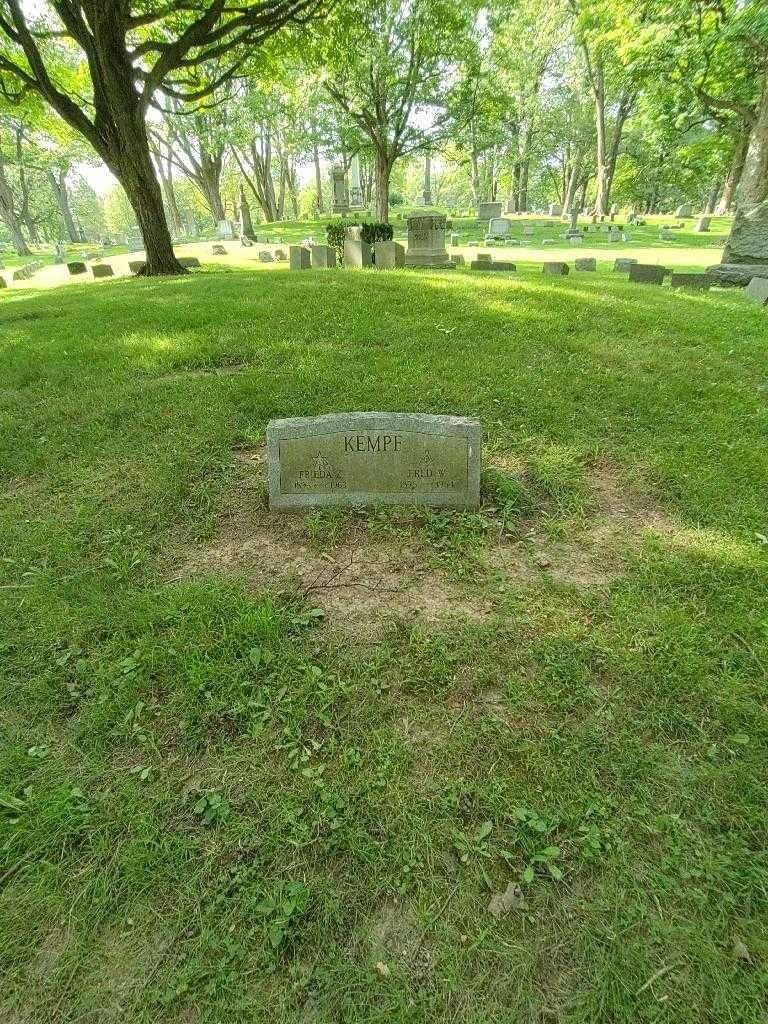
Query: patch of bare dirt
{"x": 363, "y": 579}
{"x": 618, "y": 514}
{"x": 358, "y": 584}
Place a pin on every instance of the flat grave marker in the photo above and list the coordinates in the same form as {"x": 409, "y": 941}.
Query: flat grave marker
{"x": 374, "y": 458}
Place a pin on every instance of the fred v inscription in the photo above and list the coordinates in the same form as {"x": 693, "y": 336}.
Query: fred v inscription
{"x": 370, "y": 458}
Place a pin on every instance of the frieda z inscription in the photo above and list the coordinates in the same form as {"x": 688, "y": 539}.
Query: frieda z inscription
{"x": 372, "y": 458}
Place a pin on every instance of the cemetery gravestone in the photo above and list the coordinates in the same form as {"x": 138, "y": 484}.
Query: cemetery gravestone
{"x": 323, "y": 257}
{"x": 488, "y": 211}
{"x": 280, "y": 255}
{"x": 499, "y": 226}
{"x": 426, "y": 241}
{"x": 372, "y": 458}
{"x": 136, "y": 266}
{"x": 265, "y": 256}
{"x": 492, "y": 265}
{"x": 647, "y": 273}
{"x": 555, "y": 210}
{"x": 696, "y": 282}
{"x": 219, "y": 250}
{"x": 757, "y": 290}
{"x": 389, "y": 255}
{"x": 686, "y": 210}
{"x": 458, "y": 260}
{"x": 559, "y": 269}
{"x": 702, "y": 225}
{"x": 587, "y": 263}
{"x": 225, "y": 229}
{"x": 748, "y": 240}
{"x": 357, "y": 253}
{"x": 189, "y": 261}
{"x": 622, "y": 265}
{"x": 340, "y": 193}
{"x": 78, "y": 268}
{"x": 102, "y": 270}
{"x": 454, "y": 238}
{"x": 300, "y": 257}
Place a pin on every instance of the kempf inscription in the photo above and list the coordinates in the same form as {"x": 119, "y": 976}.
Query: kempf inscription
{"x": 372, "y": 458}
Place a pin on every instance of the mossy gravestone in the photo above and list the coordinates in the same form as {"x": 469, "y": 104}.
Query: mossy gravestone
{"x": 374, "y": 458}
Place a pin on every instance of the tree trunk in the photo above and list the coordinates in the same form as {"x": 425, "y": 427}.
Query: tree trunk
{"x": 475, "y": 172}
{"x": 574, "y": 178}
{"x": 601, "y": 190}
{"x": 34, "y": 236}
{"x": 318, "y": 177}
{"x": 714, "y": 192}
{"x": 383, "y": 173}
{"x": 8, "y": 213}
{"x": 246, "y": 224}
{"x": 59, "y": 189}
{"x": 624, "y": 110}
{"x": 735, "y": 172}
{"x": 754, "y": 183}
{"x": 171, "y": 206}
{"x": 583, "y": 197}
{"x": 522, "y": 201}
{"x": 132, "y": 166}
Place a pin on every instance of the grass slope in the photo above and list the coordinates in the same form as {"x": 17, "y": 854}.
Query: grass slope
{"x": 215, "y": 805}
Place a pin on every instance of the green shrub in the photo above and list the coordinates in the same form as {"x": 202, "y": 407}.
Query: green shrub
{"x": 373, "y": 231}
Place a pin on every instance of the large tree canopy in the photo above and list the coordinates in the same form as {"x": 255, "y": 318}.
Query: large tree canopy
{"x": 101, "y": 64}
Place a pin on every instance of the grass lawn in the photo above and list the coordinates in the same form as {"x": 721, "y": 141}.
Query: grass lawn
{"x": 274, "y": 767}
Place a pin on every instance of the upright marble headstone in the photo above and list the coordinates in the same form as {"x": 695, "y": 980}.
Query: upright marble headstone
{"x": 486, "y": 211}
{"x": 499, "y": 226}
{"x": 340, "y": 193}
{"x": 702, "y": 225}
{"x": 300, "y": 258}
{"x": 389, "y": 255}
{"x": 355, "y": 190}
{"x": 555, "y": 210}
{"x": 225, "y": 228}
{"x": 426, "y": 241}
{"x": 323, "y": 256}
{"x": 357, "y": 253}
{"x": 374, "y": 458}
